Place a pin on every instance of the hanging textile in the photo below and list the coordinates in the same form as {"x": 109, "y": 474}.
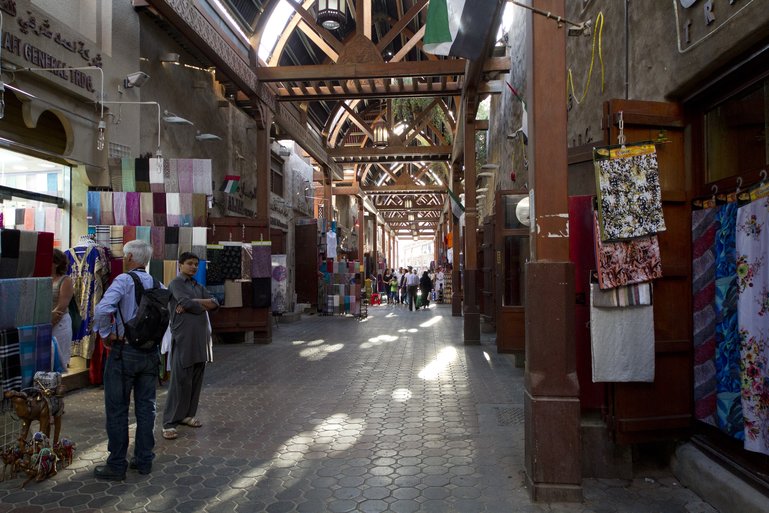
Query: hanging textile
{"x": 128, "y": 178}
{"x": 704, "y": 227}
{"x": 727, "y": 355}
{"x": 25, "y": 315}
{"x": 752, "y": 242}
{"x": 27, "y": 349}
{"x": 142, "y": 167}
{"x": 156, "y": 270}
{"x": 169, "y": 270}
{"x": 133, "y": 209}
{"x": 246, "y": 262}
{"x": 172, "y": 243}
{"x": 158, "y": 240}
{"x": 231, "y": 261}
{"x": 214, "y": 270}
{"x": 44, "y": 349}
{"x": 331, "y": 244}
{"x": 9, "y": 261}
{"x": 129, "y": 234}
{"x": 185, "y": 239}
{"x": 158, "y": 209}
{"x": 144, "y": 233}
{"x": 185, "y": 209}
{"x": 200, "y": 276}
{"x": 199, "y": 209}
{"x": 622, "y": 341}
{"x": 261, "y": 264}
{"x": 628, "y": 187}
{"x": 184, "y": 169}
{"x": 627, "y": 262}
{"x": 10, "y": 292}
{"x": 10, "y": 361}
{"x": 156, "y": 174}
{"x": 173, "y": 209}
{"x": 116, "y": 240}
{"x": 201, "y": 176}
{"x": 115, "y": 167}
{"x": 199, "y": 234}
{"x": 146, "y": 208}
{"x": 43, "y": 300}
{"x": 170, "y": 175}
{"x": 93, "y": 209}
{"x": 43, "y": 254}
{"x": 27, "y": 249}
{"x": 89, "y": 268}
{"x": 262, "y": 290}
{"x": 119, "y": 207}
{"x": 233, "y": 294}
{"x": 106, "y": 211}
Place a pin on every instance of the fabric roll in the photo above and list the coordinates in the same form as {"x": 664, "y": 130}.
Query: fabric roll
{"x": 144, "y": 233}
{"x": 156, "y": 175}
{"x": 115, "y": 168}
{"x": 43, "y": 351}
{"x": 107, "y": 211}
{"x": 199, "y": 210}
{"x": 93, "y": 209}
{"x": 170, "y": 175}
{"x": 185, "y": 209}
{"x": 156, "y": 270}
{"x": 133, "y": 209}
{"x": 129, "y": 234}
{"x": 172, "y": 243}
{"x": 102, "y": 234}
{"x": 630, "y": 295}
{"x": 142, "y": 175}
{"x": 146, "y": 209}
{"x": 246, "y": 261}
{"x": 200, "y": 276}
{"x": 727, "y": 338}
{"x": 27, "y": 349}
{"x": 185, "y": 239}
{"x": 231, "y": 261}
{"x": 169, "y": 271}
{"x": 199, "y": 235}
{"x": 201, "y": 176}
{"x": 261, "y": 266}
{"x": 159, "y": 209}
{"x": 43, "y": 254}
{"x": 629, "y": 194}
{"x": 704, "y": 313}
{"x": 214, "y": 271}
{"x": 27, "y": 250}
{"x": 9, "y": 259}
{"x": 119, "y": 207}
{"x": 627, "y": 262}
{"x": 158, "y": 241}
{"x": 128, "y": 180}
{"x": 173, "y": 209}
{"x": 622, "y": 342}
{"x": 10, "y": 361}
{"x": 116, "y": 240}
{"x": 184, "y": 170}
{"x": 43, "y": 300}
{"x": 10, "y": 292}
{"x": 752, "y": 244}
{"x": 262, "y": 288}
{"x": 233, "y": 294}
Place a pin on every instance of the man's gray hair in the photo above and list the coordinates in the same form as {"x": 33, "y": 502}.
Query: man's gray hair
{"x": 141, "y": 251}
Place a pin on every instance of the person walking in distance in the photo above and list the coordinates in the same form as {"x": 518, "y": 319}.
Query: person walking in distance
{"x": 412, "y": 283}
{"x": 128, "y": 369}
{"x": 190, "y": 348}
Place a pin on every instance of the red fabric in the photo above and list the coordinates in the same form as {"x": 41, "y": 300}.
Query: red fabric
{"x": 97, "y": 362}
{"x": 44, "y": 255}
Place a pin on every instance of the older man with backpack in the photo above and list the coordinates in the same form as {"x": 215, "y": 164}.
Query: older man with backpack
{"x": 131, "y": 318}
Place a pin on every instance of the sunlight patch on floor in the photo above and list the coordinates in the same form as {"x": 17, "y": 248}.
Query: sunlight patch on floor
{"x": 434, "y": 320}
{"x": 401, "y": 395}
{"x": 378, "y": 340}
{"x": 433, "y": 370}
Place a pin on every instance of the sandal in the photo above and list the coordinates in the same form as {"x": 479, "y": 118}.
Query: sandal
{"x": 170, "y": 433}
{"x": 191, "y": 422}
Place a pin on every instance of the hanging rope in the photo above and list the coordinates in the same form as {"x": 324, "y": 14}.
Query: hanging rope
{"x": 597, "y": 33}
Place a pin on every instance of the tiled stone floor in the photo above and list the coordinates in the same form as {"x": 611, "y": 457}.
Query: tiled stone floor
{"x": 392, "y": 414}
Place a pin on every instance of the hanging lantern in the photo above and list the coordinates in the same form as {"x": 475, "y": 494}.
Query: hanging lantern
{"x": 332, "y": 14}
{"x": 379, "y": 129}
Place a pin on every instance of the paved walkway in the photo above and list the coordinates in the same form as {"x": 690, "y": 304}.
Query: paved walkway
{"x": 391, "y": 414}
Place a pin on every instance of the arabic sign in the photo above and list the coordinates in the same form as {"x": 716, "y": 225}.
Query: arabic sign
{"x": 42, "y": 28}
{"x": 696, "y": 20}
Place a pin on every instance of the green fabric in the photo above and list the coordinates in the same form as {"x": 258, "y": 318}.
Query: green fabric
{"x": 437, "y": 26}
{"x": 129, "y": 175}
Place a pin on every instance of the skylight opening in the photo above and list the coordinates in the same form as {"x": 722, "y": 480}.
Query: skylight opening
{"x": 274, "y": 28}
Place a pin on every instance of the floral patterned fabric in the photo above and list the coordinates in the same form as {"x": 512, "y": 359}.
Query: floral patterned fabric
{"x": 704, "y": 228}
{"x": 727, "y": 357}
{"x": 626, "y": 262}
{"x": 752, "y": 241}
{"x": 629, "y": 197}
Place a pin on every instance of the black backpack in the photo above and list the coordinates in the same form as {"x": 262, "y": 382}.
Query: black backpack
{"x": 145, "y": 331}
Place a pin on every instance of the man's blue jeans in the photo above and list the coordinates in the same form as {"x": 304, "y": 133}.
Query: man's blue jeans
{"x": 129, "y": 370}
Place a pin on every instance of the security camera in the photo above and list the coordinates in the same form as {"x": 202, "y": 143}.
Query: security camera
{"x": 135, "y": 79}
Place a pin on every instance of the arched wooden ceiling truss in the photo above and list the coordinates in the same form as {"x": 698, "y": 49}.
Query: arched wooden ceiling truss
{"x": 352, "y": 77}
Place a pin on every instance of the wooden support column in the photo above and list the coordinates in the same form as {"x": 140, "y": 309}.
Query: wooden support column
{"x": 374, "y": 243}
{"x": 470, "y": 286}
{"x": 361, "y": 230}
{"x": 263, "y": 167}
{"x": 456, "y": 285}
{"x": 328, "y": 207}
{"x": 551, "y": 399}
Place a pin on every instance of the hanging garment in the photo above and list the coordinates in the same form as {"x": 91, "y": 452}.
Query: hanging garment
{"x": 200, "y": 276}
{"x": 262, "y": 289}
{"x": 233, "y": 294}
{"x": 622, "y": 342}
{"x": 727, "y": 355}
{"x": 156, "y": 270}
{"x": 169, "y": 270}
{"x": 752, "y": 241}
{"x": 628, "y": 188}
{"x": 331, "y": 244}
{"x": 173, "y": 209}
{"x": 627, "y": 262}
{"x": 10, "y": 361}
{"x": 704, "y": 227}
{"x": 89, "y": 268}
{"x": 144, "y": 233}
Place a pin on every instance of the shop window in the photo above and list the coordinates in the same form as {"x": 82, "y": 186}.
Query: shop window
{"x": 34, "y": 195}
{"x": 736, "y": 134}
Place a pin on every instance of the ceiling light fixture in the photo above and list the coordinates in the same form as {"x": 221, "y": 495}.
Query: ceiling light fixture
{"x": 207, "y": 137}
{"x": 135, "y": 79}
{"x": 332, "y": 14}
{"x": 170, "y": 117}
{"x": 379, "y": 129}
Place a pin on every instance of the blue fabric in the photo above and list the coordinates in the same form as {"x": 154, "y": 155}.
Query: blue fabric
{"x": 27, "y": 347}
{"x": 94, "y": 207}
{"x": 129, "y": 370}
{"x": 43, "y": 351}
{"x": 200, "y": 276}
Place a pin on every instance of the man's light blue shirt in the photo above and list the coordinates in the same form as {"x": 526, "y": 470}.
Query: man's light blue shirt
{"x": 120, "y": 293}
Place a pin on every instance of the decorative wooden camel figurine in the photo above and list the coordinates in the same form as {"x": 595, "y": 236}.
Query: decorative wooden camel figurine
{"x": 34, "y": 404}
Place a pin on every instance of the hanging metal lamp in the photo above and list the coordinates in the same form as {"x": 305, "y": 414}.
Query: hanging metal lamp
{"x": 379, "y": 129}
{"x": 332, "y": 14}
